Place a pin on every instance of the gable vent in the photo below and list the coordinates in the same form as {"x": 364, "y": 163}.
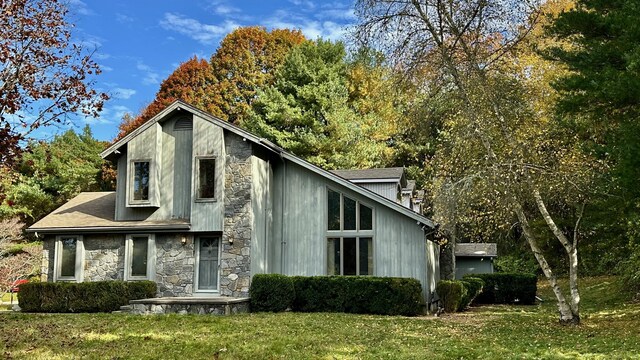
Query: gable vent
{"x": 183, "y": 124}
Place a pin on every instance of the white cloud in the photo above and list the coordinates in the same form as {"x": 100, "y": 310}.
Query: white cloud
{"x": 123, "y": 19}
{"x": 312, "y": 29}
{"x": 79, "y": 7}
{"x": 150, "y": 77}
{"x": 225, "y": 9}
{"x": 122, "y": 93}
{"x": 203, "y": 33}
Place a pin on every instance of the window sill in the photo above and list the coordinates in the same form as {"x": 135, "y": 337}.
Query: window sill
{"x": 206, "y": 200}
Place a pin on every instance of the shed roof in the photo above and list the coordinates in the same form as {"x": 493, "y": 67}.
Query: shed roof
{"x": 394, "y": 173}
{"x": 94, "y": 212}
{"x": 477, "y": 249}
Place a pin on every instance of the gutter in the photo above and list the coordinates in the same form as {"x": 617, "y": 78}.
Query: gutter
{"x": 115, "y": 229}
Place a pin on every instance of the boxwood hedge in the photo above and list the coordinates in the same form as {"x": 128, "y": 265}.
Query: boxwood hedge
{"x": 98, "y": 296}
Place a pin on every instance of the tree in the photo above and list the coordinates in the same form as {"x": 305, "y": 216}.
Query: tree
{"x": 192, "y": 82}
{"x": 309, "y": 112}
{"x": 500, "y": 158}
{"x": 52, "y": 173}
{"x": 226, "y": 86}
{"x": 44, "y": 75}
{"x": 246, "y": 62}
{"x": 17, "y": 260}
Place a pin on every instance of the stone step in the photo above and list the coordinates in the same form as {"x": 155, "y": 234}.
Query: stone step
{"x": 126, "y": 308}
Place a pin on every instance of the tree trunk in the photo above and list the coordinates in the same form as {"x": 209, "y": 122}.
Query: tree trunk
{"x": 567, "y": 315}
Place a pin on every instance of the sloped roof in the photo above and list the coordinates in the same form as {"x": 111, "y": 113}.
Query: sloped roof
{"x": 394, "y": 173}
{"x": 411, "y": 186}
{"x": 477, "y": 249}
{"x": 94, "y": 212}
{"x": 179, "y": 105}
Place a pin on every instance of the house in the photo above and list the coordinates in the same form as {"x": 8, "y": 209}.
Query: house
{"x": 201, "y": 205}
{"x": 474, "y": 258}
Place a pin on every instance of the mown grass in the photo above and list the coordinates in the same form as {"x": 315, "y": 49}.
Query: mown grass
{"x": 610, "y": 329}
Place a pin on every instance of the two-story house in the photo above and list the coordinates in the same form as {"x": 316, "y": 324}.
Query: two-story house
{"x": 201, "y": 205}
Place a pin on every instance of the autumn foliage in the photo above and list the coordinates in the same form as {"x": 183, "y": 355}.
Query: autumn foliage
{"x": 226, "y": 85}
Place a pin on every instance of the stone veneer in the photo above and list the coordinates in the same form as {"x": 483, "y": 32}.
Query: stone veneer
{"x": 235, "y": 264}
{"x": 174, "y": 265}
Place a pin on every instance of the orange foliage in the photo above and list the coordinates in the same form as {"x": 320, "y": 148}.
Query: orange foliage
{"x": 244, "y": 63}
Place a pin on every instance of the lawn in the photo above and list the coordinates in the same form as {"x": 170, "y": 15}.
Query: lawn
{"x": 610, "y": 329}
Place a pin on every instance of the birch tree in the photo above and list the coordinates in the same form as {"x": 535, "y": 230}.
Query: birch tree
{"x": 500, "y": 156}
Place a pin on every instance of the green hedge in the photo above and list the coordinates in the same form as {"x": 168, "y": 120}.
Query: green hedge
{"x": 451, "y": 293}
{"x": 350, "y": 294}
{"x": 98, "y": 296}
{"x": 473, "y": 286}
{"x": 507, "y": 288}
{"x": 271, "y": 292}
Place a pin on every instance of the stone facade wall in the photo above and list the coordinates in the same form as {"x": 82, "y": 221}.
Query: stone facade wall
{"x": 174, "y": 265}
{"x": 103, "y": 257}
{"x": 235, "y": 264}
{"x": 48, "y": 252}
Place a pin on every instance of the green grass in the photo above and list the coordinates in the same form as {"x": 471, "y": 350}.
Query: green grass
{"x": 610, "y": 329}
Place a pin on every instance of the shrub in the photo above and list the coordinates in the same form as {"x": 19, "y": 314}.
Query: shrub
{"x": 516, "y": 264}
{"x": 358, "y": 294}
{"x": 271, "y": 292}
{"x": 98, "y": 296}
{"x": 629, "y": 277}
{"x": 507, "y": 288}
{"x": 473, "y": 286}
{"x": 452, "y": 293}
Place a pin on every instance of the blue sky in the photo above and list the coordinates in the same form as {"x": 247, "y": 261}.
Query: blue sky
{"x": 139, "y": 42}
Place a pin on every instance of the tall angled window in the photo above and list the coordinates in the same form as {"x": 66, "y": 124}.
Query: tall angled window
{"x": 141, "y": 173}
{"x": 349, "y": 235}
{"x": 206, "y": 178}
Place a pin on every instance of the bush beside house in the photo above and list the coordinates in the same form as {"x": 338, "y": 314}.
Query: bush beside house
{"x": 508, "y": 288}
{"x": 349, "y": 294}
{"x": 98, "y": 296}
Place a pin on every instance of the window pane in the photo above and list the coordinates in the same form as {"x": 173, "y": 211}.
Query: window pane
{"x": 208, "y": 263}
{"x": 139, "y": 256}
{"x": 333, "y": 257}
{"x": 349, "y": 256}
{"x": 366, "y": 257}
{"x": 207, "y": 169}
{"x": 366, "y": 221}
{"x": 141, "y": 180}
{"x": 349, "y": 214}
{"x": 68, "y": 261}
{"x": 333, "y": 207}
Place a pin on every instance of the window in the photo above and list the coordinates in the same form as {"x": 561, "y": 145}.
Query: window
{"x": 349, "y": 236}
{"x": 139, "y": 257}
{"x": 68, "y": 260}
{"x": 206, "y": 178}
{"x": 141, "y": 176}
{"x": 346, "y": 214}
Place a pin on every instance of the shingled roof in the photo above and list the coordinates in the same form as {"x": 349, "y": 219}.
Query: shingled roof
{"x": 94, "y": 212}
{"x": 368, "y": 174}
{"x": 477, "y": 249}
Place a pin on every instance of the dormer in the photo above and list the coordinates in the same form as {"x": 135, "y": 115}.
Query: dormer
{"x": 143, "y": 168}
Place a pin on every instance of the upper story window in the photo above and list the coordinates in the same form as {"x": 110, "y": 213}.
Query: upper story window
{"x": 141, "y": 176}
{"x": 346, "y": 214}
{"x": 349, "y": 236}
{"x": 68, "y": 259}
{"x": 206, "y": 178}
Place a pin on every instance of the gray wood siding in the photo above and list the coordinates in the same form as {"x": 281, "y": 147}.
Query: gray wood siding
{"x": 388, "y": 190}
{"x": 122, "y": 211}
{"x": 473, "y": 265}
{"x": 145, "y": 146}
{"x": 208, "y": 140}
{"x": 261, "y": 206}
{"x": 399, "y": 244}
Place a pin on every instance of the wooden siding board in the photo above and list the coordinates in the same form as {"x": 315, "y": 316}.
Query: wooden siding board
{"x": 261, "y": 207}
{"x": 208, "y": 139}
{"x": 388, "y": 190}
{"x": 122, "y": 212}
{"x": 399, "y": 243}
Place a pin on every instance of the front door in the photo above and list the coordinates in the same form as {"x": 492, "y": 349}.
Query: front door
{"x": 208, "y": 253}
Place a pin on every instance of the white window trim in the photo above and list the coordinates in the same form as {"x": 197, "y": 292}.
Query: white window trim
{"x": 196, "y": 269}
{"x": 197, "y": 178}
{"x": 151, "y": 257}
{"x": 132, "y": 179}
{"x": 57, "y": 263}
